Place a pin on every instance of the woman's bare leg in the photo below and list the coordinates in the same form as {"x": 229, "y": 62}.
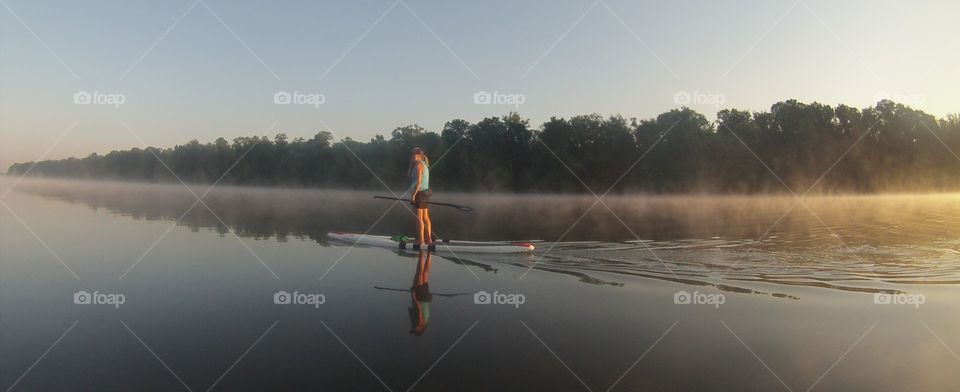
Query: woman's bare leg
{"x": 425, "y": 274}
{"x": 428, "y": 224}
{"x": 420, "y": 226}
{"x": 421, "y": 264}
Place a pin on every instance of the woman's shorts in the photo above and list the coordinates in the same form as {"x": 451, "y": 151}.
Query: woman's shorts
{"x": 422, "y": 199}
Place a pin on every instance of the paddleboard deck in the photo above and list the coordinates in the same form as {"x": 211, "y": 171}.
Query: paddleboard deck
{"x": 452, "y": 246}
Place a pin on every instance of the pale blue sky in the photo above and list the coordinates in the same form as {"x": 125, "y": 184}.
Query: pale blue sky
{"x": 194, "y": 78}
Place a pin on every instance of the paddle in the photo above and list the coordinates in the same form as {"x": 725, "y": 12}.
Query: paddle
{"x": 409, "y": 290}
{"x": 459, "y": 207}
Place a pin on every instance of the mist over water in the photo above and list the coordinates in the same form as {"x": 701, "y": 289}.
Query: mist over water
{"x": 283, "y": 212}
{"x": 855, "y": 243}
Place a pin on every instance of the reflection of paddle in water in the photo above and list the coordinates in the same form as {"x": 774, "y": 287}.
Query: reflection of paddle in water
{"x": 449, "y": 295}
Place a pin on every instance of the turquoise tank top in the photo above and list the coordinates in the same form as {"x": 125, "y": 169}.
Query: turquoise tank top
{"x": 425, "y": 182}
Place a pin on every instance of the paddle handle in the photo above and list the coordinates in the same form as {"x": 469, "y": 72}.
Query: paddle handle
{"x": 457, "y": 206}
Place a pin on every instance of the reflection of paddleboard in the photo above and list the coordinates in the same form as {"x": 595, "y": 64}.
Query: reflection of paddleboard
{"x": 452, "y": 246}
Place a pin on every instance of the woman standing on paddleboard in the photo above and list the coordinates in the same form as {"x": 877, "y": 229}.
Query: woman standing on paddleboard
{"x": 419, "y": 171}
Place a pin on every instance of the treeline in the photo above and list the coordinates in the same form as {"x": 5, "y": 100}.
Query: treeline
{"x": 888, "y": 147}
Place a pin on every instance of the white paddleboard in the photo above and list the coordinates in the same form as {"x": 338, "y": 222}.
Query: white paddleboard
{"x": 451, "y": 246}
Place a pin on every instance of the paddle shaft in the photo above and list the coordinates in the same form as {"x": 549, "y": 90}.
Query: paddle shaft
{"x": 459, "y": 207}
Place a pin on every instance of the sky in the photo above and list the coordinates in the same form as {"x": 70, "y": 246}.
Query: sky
{"x": 96, "y": 76}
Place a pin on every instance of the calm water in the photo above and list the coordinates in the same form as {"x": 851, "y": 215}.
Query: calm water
{"x": 834, "y": 293}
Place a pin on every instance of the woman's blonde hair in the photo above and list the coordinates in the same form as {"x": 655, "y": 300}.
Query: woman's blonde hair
{"x": 417, "y": 151}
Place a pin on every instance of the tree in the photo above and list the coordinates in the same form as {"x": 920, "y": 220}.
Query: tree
{"x": 886, "y": 147}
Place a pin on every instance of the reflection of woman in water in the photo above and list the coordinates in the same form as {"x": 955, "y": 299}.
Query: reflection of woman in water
{"x": 420, "y": 295}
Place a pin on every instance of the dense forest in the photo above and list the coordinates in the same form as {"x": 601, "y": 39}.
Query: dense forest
{"x": 888, "y": 147}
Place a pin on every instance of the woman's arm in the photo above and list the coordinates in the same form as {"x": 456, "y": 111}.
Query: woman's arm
{"x": 416, "y": 188}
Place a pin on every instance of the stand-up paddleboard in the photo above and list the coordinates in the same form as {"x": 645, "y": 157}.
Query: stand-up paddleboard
{"x": 452, "y": 246}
